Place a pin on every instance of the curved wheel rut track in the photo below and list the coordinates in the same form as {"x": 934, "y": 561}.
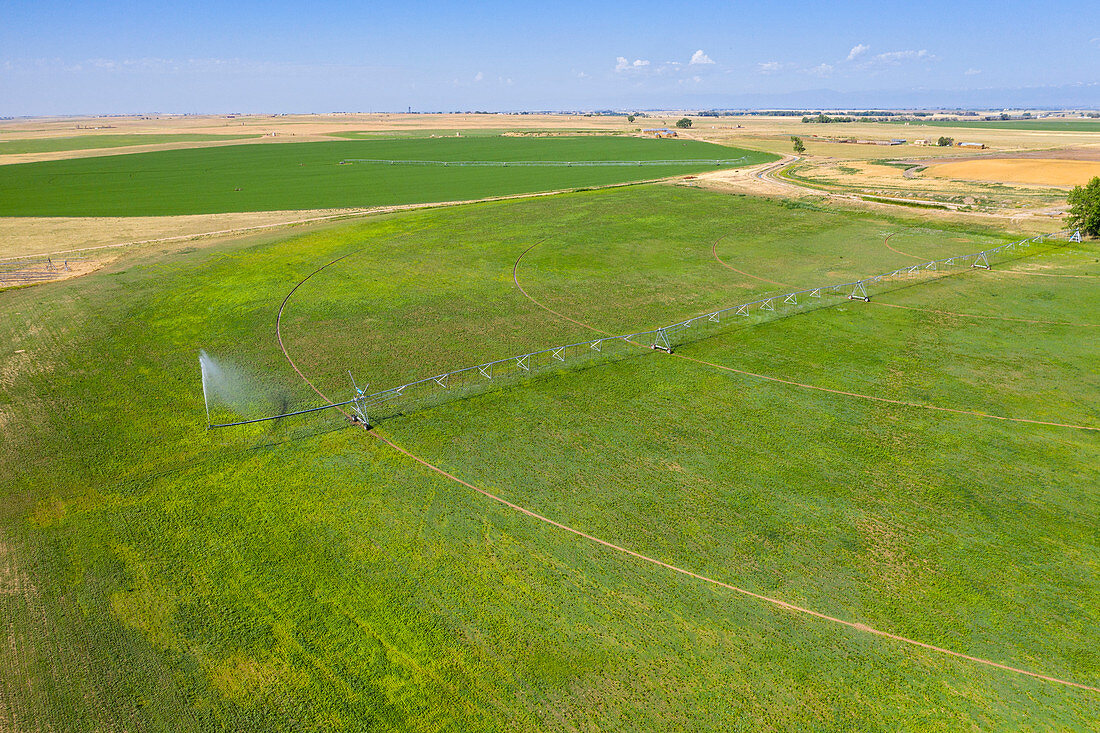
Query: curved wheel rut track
{"x": 774, "y": 602}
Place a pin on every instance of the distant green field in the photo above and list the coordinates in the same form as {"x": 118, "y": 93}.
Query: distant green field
{"x": 308, "y": 175}
{"x": 97, "y": 142}
{"x": 419, "y": 133}
{"x": 301, "y": 575}
{"x": 1050, "y": 125}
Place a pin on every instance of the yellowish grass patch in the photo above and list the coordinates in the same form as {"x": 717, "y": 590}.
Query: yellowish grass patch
{"x": 1010, "y": 170}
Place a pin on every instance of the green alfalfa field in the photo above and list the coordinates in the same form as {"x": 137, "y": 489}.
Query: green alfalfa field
{"x": 304, "y": 575}
{"x": 283, "y": 176}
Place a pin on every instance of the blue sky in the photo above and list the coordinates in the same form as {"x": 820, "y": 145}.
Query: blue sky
{"x": 321, "y": 56}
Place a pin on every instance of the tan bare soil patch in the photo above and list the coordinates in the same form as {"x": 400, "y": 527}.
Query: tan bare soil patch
{"x": 758, "y": 181}
{"x": 24, "y": 236}
{"x": 1081, "y": 152}
{"x": 131, "y": 149}
{"x": 36, "y": 271}
{"x": 1047, "y": 172}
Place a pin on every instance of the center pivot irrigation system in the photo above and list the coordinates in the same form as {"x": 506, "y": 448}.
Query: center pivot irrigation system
{"x": 472, "y": 379}
{"x": 542, "y": 163}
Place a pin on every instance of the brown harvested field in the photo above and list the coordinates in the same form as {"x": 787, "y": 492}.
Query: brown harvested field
{"x": 1039, "y": 171}
{"x": 305, "y": 124}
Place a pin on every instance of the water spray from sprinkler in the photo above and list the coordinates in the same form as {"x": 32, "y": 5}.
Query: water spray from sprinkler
{"x": 203, "y": 358}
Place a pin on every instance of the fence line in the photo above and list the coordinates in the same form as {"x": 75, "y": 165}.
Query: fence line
{"x": 479, "y": 377}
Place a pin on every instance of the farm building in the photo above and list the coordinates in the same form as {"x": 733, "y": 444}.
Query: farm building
{"x": 971, "y": 145}
{"x": 660, "y": 132}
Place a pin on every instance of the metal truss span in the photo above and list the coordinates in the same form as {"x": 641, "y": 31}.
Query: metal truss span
{"x": 477, "y": 377}
{"x": 714, "y": 582}
{"x": 474, "y": 379}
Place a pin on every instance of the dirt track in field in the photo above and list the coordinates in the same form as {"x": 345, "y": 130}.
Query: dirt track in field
{"x": 723, "y": 263}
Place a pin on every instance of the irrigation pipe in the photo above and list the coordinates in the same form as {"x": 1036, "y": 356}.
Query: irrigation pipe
{"x": 542, "y": 163}
{"x": 873, "y": 398}
{"x": 660, "y": 335}
{"x": 279, "y": 417}
{"x": 645, "y": 558}
{"x": 886, "y": 242}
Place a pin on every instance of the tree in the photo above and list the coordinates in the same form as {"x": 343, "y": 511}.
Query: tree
{"x": 683, "y": 123}
{"x": 798, "y": 146}
{"x": 1084, "y": 208}
{"x": 945, "y": 142}
{"x": 630, "y": 118}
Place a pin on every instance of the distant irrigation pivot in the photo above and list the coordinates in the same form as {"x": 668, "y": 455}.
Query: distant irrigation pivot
{"x": 33, "y": 269}
{"x": 546, "y": 163}
{"x": 470, "y": 380}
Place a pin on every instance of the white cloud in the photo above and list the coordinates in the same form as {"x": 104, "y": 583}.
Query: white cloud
{"x": 857, "y": 50}
{"x": 582, "y": 75}
{"x": 479, "y": 76}
{"x": 896, "y": 57}
{"x": 681, "y": 71}
{"x": 769, "y": 67}
{"x": 821, "y": 70}
{"x": 1095, "y": 41}
{"x": 700, "y": 58}
{"x": 622, "y": 64}
{"x": 972, "y": 72}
